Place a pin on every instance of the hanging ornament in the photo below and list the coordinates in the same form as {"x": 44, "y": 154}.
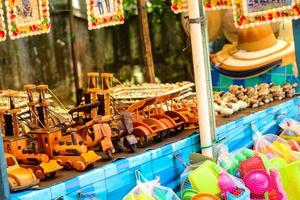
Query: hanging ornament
{"x": 27, "y": 18}
{"x": 249, "y": 13}
{"x": 2, "y": 24}
{"x": 102, "y": 13}
{"x": 179, "y": 6}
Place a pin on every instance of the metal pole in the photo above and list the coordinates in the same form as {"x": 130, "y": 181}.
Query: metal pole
{"x": 4, "y": 188}
{"x": 202, "y": 81}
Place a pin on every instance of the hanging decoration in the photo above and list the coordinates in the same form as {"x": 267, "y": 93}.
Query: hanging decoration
{"x": 249, "y": 13}
{"x": 27, "y": 18}
{"x": 102, "y": 13}
{"x": 179, "y": 6}
{"x": 2, "y": 25}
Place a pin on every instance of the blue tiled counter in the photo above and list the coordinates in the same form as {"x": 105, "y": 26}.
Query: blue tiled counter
{"x": 114, "y": 180}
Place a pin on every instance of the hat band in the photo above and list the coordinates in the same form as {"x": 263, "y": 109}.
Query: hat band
{"x": 264, "y": 43}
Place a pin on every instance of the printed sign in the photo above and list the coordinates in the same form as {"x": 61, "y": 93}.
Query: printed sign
{"x": 256, "y": 12}
{"x": 102, "y": 13}
{"x": 27, "y": 17}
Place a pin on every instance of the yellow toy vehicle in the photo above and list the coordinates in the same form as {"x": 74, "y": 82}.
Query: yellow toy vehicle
{"x": 19, "y": 178}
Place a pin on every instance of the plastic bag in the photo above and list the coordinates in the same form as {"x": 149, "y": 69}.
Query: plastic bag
{"x": 290, "y": 127}
{"x": 274, "y": 146}
{"x": 149, "y": 190}
{"x": 210, "y": 180}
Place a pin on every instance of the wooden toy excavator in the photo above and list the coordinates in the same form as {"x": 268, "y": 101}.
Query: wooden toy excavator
{"x": 72, "y": 154}
{"x": 26, "y": 152}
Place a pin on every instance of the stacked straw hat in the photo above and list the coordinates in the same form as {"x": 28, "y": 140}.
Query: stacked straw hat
{"x": 256, "y": 51}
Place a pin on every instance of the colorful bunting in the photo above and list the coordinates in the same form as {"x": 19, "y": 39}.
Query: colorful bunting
{"x": 179, "y": 6}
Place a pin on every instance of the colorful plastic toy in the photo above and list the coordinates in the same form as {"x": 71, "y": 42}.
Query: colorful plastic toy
{"x": 205, "y": 196}
{"x": 260, "y": 180}
{"x": 290, "y": 176}
{"x": 200, "y": 181}
{"x": 19, "y": 178}
{"x": 294, "y": 145}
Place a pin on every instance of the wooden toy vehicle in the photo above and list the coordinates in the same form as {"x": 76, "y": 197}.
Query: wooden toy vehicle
{"x": 40, "y": 163}
{"x": 145, "y": 127}
{"x": 122, "y": 128}
{"x": 187, "y": 112}
{"x": 176, "y": 119}
{"x": 19, "y": 178}
{"x": 94, "y": 133}
{"x": 71, "y": 154}
{"x": 17, "y": 145}
{"x": 94, "y": 122}
{"x": 68, "y": 153}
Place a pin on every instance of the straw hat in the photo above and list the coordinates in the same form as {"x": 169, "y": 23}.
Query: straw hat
{"x": 256, "y": 51}
{"x": 214, "y": 23}
{"x": 230, "y": 31}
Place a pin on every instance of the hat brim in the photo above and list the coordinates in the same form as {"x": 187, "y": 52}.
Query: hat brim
{"x": 248, "y": 73}
{"x": 247, "y": 61}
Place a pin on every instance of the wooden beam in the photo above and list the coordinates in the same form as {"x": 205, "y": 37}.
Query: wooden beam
{"x": 145, "y": 40}
{"x": 4, "y": 188}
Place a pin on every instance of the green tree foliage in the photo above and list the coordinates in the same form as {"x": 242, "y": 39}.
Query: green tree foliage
{"x": 156, "y": 8}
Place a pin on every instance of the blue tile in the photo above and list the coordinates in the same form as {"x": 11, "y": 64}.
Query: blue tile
{"x": 139, "y": 159}
{"x": 266, "y": 78}
{"x": 100, "y": 190}
{"x": 181, "y": 144}
{"x": 72, "y": 185}
{"x": 215, "y": 77}
{"x": 91, "y": 177}
{"x": 32, "y": 194}
{"x": 117, "y": 182}
{"x": 159, "y": 152}
{"x": 58, "y": 190}
{"x": 280, "y": 70}
{"x": 239, "y": 82}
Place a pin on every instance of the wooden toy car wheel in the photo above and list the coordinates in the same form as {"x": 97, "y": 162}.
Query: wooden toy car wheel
{"x": 40, "y": 174}
{"x": 79, "y": 166}
{"x": 109, "y": 153}
{"x": 52, "y": 174}
{"x": 68, "y": 165}
{"x": 92, "y": 165}
{"x": 180, "y": 128}
{"x": 142, "y": 141}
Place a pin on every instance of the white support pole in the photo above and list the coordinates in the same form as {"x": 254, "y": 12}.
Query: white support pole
{"x": 201, "y": 80}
